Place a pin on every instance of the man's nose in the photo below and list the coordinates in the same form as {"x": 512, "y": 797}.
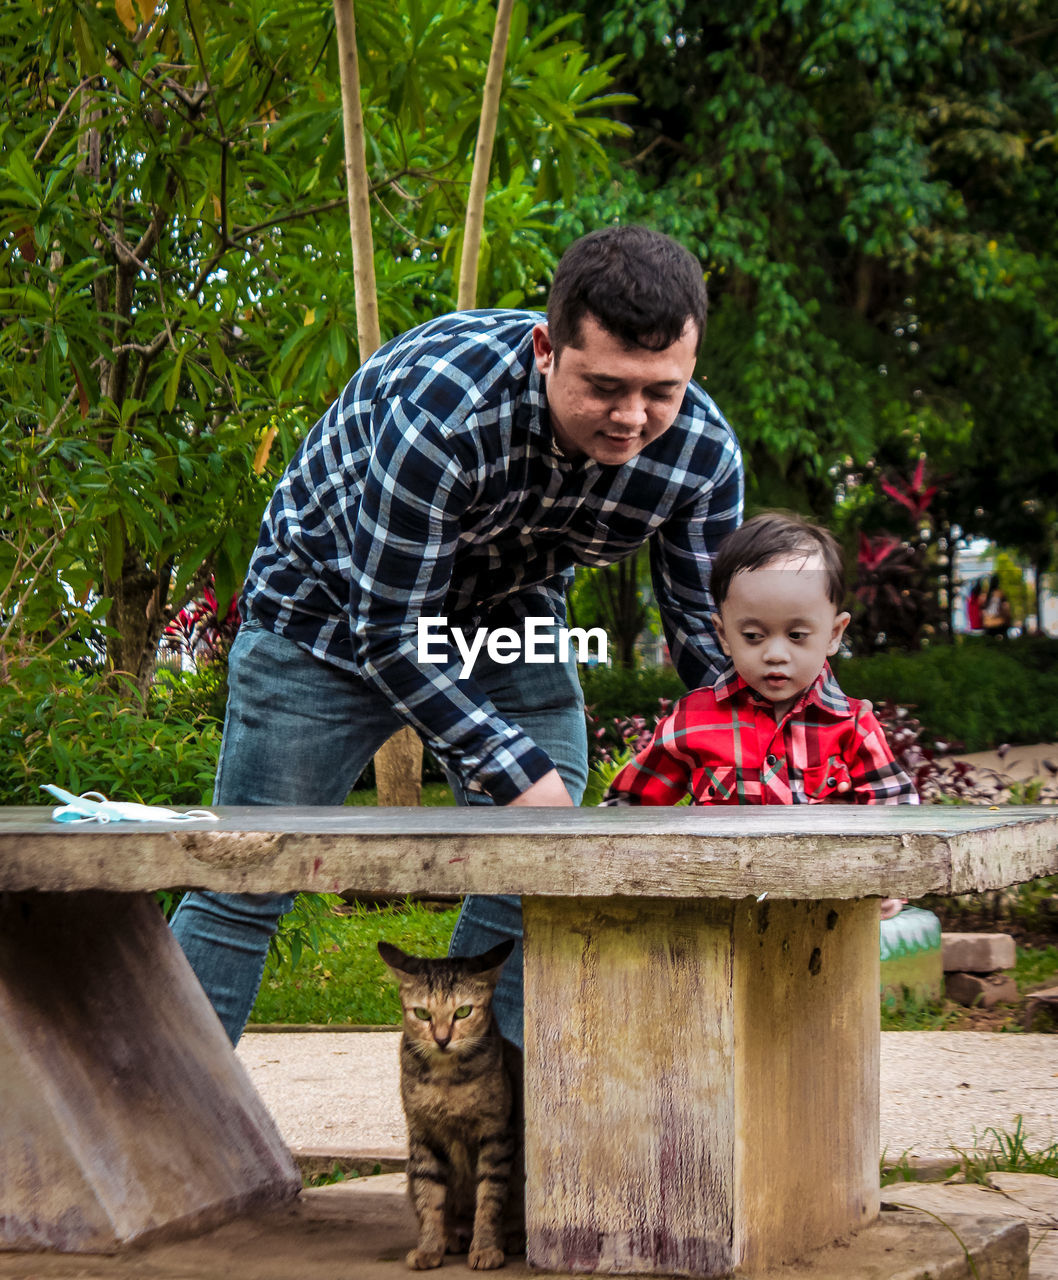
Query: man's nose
{"x": 630, "y": 411}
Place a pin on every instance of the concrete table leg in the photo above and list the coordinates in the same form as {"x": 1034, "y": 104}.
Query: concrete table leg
{"x": 701, "y": 1081}
{"x": 124, "y": 1113}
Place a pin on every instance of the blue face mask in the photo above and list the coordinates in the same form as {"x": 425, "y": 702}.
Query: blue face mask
{"x": 93, "y": 807}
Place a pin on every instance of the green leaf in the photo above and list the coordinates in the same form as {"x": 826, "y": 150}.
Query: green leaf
{"x": 115, "y": 547}
{"x": 172, "y": 383}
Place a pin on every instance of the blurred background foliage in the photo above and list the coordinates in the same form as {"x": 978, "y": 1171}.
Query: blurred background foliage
{"x": 872, "y": 191}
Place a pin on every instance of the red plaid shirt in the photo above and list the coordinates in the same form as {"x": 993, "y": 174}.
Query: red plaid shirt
{"x": 723, "y": 746}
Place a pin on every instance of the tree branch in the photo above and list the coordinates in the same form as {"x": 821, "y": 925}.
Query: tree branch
{"x": 205, "y": 73}
{"x": 62, "y": 111}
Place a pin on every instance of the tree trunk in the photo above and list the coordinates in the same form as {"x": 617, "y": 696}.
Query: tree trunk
{"x": 398, "y": 765}
{"x": 137, "y": 616}
{"x": 619, "y": 590}
{"x": 479, "y": 178}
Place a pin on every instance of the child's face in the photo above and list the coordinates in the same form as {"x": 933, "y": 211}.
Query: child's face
{"x": 778, "y": 626}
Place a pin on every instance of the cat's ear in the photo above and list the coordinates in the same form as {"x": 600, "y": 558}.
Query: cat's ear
{"x": 490, "y": 959}
{"x": 399, "y": 961}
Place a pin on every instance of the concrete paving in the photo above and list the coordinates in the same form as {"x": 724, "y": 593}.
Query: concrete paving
{"x": 334, "y": 1092}
{"x": 361, "y": 1231}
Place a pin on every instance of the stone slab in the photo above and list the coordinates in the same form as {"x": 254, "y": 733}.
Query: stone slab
{"x": 363, "y": 1229}
{"x": 977, "y": 952}
{"x": 980, "y": 990}
{"x": 1024, "y": 1197}
{"x": 801, "y": 852}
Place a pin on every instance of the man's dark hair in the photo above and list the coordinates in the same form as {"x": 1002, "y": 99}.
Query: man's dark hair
{"x": 776, "y": 535}
{"x": 638, "y": 284}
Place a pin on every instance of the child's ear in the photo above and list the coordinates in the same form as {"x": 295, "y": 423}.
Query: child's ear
{"x": 718, "y": 625}
{"x": 840, "y": 623}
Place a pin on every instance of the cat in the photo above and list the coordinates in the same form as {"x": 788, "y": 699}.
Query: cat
{"x": 461, "y": 1086}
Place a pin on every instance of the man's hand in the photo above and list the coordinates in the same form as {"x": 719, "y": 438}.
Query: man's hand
{"x": 547, "y": 792}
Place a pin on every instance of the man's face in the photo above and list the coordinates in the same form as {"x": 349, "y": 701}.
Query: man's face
{"x": 778, "y": 626}
{"x": 609, "y": 401}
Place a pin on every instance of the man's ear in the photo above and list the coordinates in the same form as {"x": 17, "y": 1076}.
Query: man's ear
{"x": 718, "y": 625}
{"x": 840, "y": 623}
{"x": 543, "y": 351}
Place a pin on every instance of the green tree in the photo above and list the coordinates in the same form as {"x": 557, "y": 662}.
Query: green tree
{"x": 176, "y": 303}
{"x": 874, "y": 191}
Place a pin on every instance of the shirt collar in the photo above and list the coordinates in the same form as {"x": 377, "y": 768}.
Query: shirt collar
{"x": 825, "y": 692}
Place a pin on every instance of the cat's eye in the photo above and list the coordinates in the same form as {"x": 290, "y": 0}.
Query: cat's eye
{"x": 464, "y": 1011}
{"x": 422, "y": 1014}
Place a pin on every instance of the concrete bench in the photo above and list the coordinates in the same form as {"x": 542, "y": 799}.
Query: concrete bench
{"x": 702, "y": 1041}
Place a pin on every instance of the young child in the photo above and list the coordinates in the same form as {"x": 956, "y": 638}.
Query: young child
{"x": 774, "y": 728}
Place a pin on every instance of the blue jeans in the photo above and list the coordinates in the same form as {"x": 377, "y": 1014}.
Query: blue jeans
{"x": 300, "y": 732}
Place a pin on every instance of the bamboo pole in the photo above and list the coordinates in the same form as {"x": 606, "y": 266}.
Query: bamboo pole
{"x": 479, "y": 178}
{"x": 398, "y": 764}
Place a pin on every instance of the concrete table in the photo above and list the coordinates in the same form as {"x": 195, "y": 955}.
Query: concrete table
{"x": 701, "y": 1013}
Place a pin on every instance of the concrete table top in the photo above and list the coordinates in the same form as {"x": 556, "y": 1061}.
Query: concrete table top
{"x": 798, "y": 852}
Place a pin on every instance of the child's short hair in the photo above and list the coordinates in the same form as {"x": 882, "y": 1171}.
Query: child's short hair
{"x": 775, "y": 535}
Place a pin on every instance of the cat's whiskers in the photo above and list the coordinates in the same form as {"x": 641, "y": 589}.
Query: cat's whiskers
{"x": 462, "y": 1094}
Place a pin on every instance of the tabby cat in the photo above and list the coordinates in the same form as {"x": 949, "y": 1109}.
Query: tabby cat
{"x": 461, "y": 1085}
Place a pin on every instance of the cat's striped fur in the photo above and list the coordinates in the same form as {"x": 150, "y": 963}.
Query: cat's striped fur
{"x": 461, "y": 1085}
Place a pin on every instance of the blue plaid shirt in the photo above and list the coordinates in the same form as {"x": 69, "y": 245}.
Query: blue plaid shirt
{"x": 433, "y": 486}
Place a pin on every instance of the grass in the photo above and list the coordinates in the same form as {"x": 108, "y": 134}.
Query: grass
{"x": 434, "y": 795}
{"x": 1007, "y": 1153}
{"x": 994, "y": 1152}
{"x": 346, "y": 982}
{"x": 1036, "y": 967}
{"x": 920, "y": 1015}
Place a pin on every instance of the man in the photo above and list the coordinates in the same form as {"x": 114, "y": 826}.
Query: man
{"x": 464, "y": 471}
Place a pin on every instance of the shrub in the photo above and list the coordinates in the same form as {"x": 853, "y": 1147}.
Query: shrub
{"x": 90, "y": 732}
{"x": 977, "y": 694}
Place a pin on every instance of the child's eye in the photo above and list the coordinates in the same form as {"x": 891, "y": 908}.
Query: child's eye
{"x": 751, "y": 637}
{"x": 422, "y": 1014}
{"x": 464, "y": 1010}
{"x": 798, "y": 635}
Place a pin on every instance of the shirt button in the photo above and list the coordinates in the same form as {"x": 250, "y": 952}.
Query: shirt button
{"x": 832, "y": 782}
{"x": 769, "y": 759}
{"x": 712, "y": 791}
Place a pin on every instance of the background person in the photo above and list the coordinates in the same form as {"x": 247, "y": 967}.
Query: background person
{"x": 464, "y": 471}
{"x": 975, "y": 599}
{"x": 995, "y": 612}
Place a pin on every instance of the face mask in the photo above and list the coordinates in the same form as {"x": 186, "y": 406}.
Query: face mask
{"x": 93, "y": 807}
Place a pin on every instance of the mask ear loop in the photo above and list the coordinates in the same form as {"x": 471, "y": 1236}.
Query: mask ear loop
{"x": 101, "y": 816}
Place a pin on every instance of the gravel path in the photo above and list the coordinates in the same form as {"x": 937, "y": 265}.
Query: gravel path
{"x": 337, "y": 1091}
